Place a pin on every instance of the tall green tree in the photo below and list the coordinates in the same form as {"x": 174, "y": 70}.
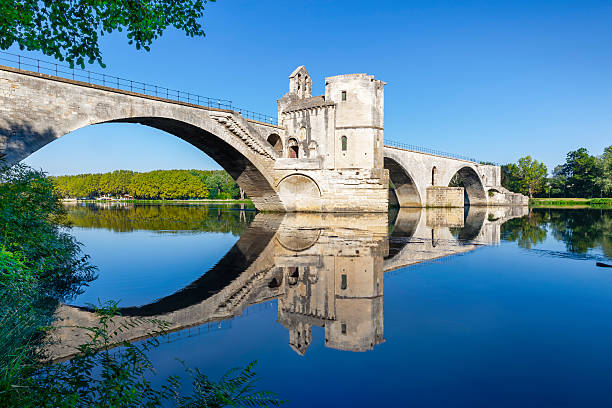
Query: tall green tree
{"x": 558, "y": 182}
{"x": 71, "y": 29}
{"x": 582, "y": 172}
{"x": 604, "y": 181}
{"x": 528, "y": 176}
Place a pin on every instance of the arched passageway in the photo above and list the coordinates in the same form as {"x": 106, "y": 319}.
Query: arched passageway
{"x": 276, "y": 142}
{"x": 474, "y": 191}
{"x": 404, "y": 187}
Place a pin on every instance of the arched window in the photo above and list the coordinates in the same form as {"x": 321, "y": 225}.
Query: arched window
{"x": 343, "y": 141}
{"x": 434, "y": 175}
{"x": 294, "y": 149}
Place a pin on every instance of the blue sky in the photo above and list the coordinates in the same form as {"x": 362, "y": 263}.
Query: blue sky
{"x": 493, "y": 80}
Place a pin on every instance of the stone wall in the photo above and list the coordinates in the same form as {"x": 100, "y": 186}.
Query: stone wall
{"x": 439, "y": 196}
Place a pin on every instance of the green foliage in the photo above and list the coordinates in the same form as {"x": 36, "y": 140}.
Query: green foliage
{"x": 236, "y": 388}
{"x": 32, "y": 222}
{"x": 71, "y": 29}
{"x": 582, "y": 175}
{"x": 582, "y": 172}
{"x": 604, "y": 181}
{"x": 558, "y": 183}
{"x": 153, "y": 185}
{"x": 528, "y": 176}
{"x": 20, "y": 323}
{"x": 40, "y": 263}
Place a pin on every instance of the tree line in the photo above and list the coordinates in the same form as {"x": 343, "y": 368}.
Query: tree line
{"x": 582, "y": 175}
{"x": 152, "y": 185}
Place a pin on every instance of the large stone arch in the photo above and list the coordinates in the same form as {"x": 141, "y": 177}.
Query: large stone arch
{"x": 39, "y": 109}
{"x": 299, "y": 192}
{"x": 405, "y": 188}
{"x": 475, "y": 192}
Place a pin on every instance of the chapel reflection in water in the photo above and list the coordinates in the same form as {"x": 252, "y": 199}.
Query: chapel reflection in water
{"x": 325, "y": 270}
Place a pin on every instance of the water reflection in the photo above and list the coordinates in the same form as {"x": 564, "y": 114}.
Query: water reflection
{"x": 586, "y": 233}
{"x": 325, "y": 270}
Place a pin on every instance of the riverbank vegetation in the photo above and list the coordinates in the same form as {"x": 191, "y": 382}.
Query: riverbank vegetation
{"x": 581, "y": 176}
{"x": 572, "y": 202}
{"x": 41, "y": 265}
{"x": 152, "y": 185}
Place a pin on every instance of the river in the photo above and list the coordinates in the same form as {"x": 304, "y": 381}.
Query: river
{"x": 429, "y": 308}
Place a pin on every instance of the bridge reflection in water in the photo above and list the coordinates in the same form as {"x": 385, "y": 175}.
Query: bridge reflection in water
{"x": 325, "y": 270}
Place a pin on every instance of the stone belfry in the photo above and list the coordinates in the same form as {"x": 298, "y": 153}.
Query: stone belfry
{"x": 300, "y": 83}
{"x": 331, "y": 158}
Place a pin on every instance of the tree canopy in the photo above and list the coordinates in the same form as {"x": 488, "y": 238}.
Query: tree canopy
{"x": 152, "y": 185}
{"x": 528, "y": 176}
{"x": 582, "y": 175}
{"x": 70, "y": 30}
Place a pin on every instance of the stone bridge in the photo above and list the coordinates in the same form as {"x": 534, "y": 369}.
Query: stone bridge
{"x": 327, "y": 153}
{"x": 324, "y": 269}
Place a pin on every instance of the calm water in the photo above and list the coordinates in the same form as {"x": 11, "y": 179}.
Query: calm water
{"x": 482, "y": 308}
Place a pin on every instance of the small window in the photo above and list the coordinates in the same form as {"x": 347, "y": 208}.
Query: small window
{"x": 344, "y": 143}
{"x": 343, "y": 282}
{"x": 344, "y": 95}
{"x": 343, "y": 328}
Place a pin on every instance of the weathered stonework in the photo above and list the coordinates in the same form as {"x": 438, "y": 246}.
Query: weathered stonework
{"x": 326, "y": 155}
{"x": 438, "y": 196}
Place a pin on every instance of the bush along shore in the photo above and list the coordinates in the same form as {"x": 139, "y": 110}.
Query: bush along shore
{"x": 41, "y": 265}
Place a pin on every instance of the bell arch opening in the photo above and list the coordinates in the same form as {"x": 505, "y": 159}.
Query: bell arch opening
{"x": 404, "y": 189}
{"x": 474, "y": 192}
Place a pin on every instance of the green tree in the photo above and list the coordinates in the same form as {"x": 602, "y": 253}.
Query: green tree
{"x": 604, "y": 181}
{"x": 71, "y": 29}
{"x": 558, "y": 182}
{"x": 510, "y": 177}
{"x": 582, "y": 172}
{"x": 528, "y": 176}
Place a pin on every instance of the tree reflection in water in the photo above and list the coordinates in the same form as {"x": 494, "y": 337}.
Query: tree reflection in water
{"x": 580, "y": 229}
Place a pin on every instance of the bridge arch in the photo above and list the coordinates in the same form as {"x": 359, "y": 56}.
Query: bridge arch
{"x": 248, "y": 170}
{"x": 405, "y": 189}
{"x": 45, "y": 109}
{"x": 474, "y": 190}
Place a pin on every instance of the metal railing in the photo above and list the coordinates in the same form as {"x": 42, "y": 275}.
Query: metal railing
{"x": 393, "y": 143}
{"x": 98, "y": 78}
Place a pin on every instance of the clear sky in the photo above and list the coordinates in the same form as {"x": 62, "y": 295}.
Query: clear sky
{"x": 490, "y": 79}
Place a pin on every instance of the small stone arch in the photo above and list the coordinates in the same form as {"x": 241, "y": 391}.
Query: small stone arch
{"x": 276, "y": 142}
{"x": 404, "y": 187}
{"x": 434, "y": 175}
{"x": 474, "y": 191}
{"x": 293, "y": 148}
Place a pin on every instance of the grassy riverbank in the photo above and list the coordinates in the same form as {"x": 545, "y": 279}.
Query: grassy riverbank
{"x": 571, "y": 202}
